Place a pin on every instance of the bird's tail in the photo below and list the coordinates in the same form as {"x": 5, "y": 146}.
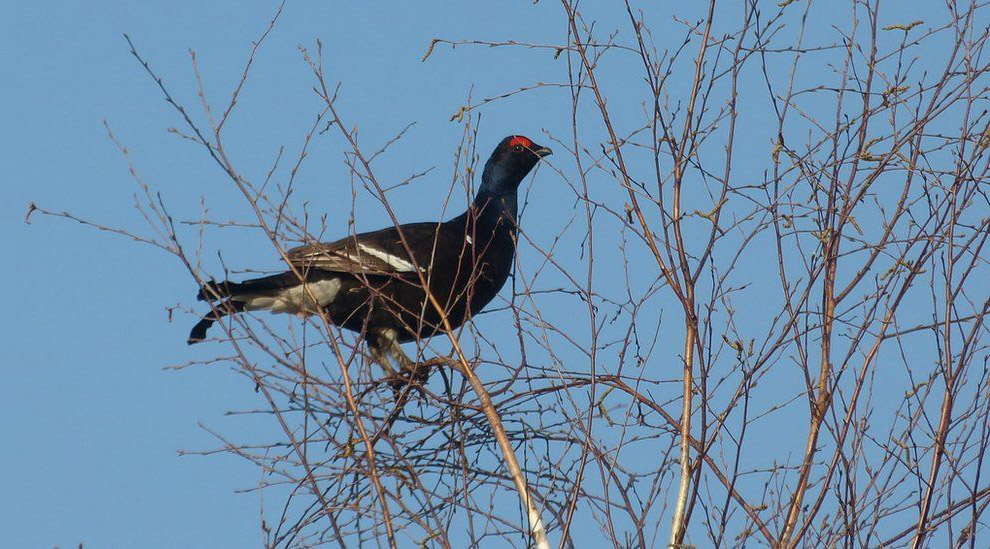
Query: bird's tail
{"x": 279, "y": 293}
{"x": 219, "y": 311}
{"x": 230, "y": 297}
{"x": 274, "y": 284}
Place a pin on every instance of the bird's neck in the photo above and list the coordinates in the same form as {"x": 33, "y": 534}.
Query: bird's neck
{"x": 489, "y": 207}
{"x": 496, "y": 196}
{"x": 489, "y": 212}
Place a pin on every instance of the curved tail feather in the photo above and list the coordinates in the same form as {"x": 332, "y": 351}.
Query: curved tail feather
{"x": 198, "y": 332}
{"x": 279, "y": 293}
{"x": 219, "y": 311}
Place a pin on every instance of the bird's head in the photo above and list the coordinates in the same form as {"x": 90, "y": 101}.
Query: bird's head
{"x": 512, "y": 160}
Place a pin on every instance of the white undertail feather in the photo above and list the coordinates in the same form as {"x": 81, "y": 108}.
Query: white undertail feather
{"x": 294, "y": 300}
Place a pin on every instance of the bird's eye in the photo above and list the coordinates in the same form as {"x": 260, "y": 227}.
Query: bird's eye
{"x": 517, "y": 148}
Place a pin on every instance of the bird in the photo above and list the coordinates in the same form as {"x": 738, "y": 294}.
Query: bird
{"x": 373, "y": 283}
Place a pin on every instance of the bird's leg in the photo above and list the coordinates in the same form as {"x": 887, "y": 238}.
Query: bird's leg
{"x": 384, "y": 358}
{"x": 410, "y": 372}
{"x": 387, "y": 351}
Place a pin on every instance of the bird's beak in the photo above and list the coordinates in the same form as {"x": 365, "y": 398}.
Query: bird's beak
{"x": 543, "y": 151}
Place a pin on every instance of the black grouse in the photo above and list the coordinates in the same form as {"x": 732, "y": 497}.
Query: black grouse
{"x": 371, "y": 284}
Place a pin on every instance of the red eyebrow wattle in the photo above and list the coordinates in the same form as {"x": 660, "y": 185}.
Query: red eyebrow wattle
{"x": 520, "y": 140}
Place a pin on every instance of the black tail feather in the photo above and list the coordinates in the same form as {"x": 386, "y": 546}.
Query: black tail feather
{"x": 198, "y": 332}
{"x": 213, "y": 290}
{"x": 219, "y": 311}
{"x": 225, "y": 296}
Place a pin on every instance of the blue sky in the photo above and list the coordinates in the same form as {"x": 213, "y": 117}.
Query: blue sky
{"x": 94, "y": 419}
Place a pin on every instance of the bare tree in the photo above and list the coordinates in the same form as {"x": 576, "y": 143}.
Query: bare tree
{"x": 763, "y": 322}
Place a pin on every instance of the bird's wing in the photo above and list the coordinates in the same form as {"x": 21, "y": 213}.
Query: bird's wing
{"x": 379, "y": 252}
